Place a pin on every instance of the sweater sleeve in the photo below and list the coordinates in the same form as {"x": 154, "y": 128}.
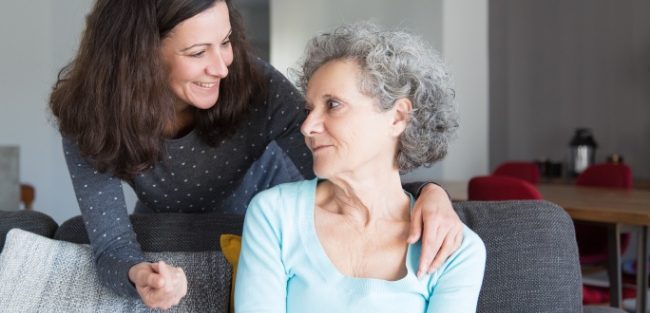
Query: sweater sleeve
{"x": 415, "y": 188}
{"x": 103, "y": 208}
{"x": 286, "y": 112}
{"x": 459, "y": 278}
{"x": 261, "y": 284}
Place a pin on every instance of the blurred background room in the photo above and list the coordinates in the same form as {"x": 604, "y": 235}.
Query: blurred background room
{"x": 562, "y": 85}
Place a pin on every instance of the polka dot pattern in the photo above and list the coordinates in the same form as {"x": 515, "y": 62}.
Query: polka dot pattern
{"x": 193, "y": 177}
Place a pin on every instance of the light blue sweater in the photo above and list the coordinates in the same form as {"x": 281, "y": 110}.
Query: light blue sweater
{"x": 284, "y": 268}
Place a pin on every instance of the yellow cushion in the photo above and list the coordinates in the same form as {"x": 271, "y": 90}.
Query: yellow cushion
{"x": 230, "y": 246}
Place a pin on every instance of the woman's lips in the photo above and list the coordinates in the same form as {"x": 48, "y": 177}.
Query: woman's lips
{"x": 315, "y": 149}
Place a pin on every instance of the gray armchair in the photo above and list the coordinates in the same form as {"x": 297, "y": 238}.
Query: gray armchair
{"x": 532, "y": 257}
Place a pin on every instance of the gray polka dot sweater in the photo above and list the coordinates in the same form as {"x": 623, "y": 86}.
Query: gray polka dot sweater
{"x": 192, "y": 178}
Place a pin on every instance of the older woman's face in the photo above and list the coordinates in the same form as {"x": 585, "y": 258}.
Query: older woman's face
{"x": 197, "y": 54}
{"x": 345, "y": 129}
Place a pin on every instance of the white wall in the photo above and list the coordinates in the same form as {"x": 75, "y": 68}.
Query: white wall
{"x": 560, "y": 65}
{"x": 24, "y": 80}
{"x": 465, "y": 47}
{"x": 26, "y": 75}
{"x": 294, "y": 22}
{"x": 38, "y": 38}
{"x": 456, "y": 28}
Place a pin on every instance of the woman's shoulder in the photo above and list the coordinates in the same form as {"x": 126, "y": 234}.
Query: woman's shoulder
{"x": 286, "y": 192}
{"x": 266, "y": 69}
{"x": 281, "y": 204}
{"x": 472, "y": 245}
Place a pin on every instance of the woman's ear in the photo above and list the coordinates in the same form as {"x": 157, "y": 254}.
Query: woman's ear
{"x": 401, "y": 115}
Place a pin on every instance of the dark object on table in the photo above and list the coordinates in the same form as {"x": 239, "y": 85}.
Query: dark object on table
{"x": 549, "y": 169}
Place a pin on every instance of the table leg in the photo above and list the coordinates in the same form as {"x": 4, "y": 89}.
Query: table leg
{"x": 642, "y": 271}
{"x": 614, "y": 265}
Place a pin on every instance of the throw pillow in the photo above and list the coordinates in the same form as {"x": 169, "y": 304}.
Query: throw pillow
{"x": 230, "y": 246}
{"x": 47, "y": 275}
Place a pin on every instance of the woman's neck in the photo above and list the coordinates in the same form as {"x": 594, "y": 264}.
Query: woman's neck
{"x": 366, "y": 201}
{"x": 182, "y": 124}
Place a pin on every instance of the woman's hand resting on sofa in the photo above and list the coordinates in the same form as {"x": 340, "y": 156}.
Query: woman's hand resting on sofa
{"x": 160, "y": 285}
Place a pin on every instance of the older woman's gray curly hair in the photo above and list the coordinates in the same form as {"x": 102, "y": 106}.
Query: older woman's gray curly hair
{"x": 394, "y": 65}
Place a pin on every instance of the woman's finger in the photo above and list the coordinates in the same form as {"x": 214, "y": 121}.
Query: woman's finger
{"x": 415, "y": 229}
{"x": 431, "y": 243}
{"x": 155, "y": 281}
{"x": 452, "y": 241}
{"x": 445, "y": 251}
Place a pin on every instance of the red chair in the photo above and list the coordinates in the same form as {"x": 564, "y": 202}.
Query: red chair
{"x": 606, "y": 175}
{"x": 527, "y": 171}
{"x": 498, "y": 188}
{"x": 592, "y": 238}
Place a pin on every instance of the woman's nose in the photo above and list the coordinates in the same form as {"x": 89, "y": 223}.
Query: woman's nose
{"x": 217, "y": 66}
{"x": 312, "y": 125}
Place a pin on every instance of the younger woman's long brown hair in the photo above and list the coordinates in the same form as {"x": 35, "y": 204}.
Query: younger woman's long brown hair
{"x": 114, "y": 100}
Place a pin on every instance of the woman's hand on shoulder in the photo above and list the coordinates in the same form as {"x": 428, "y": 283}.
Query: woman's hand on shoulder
{"x": 433, "y": 218}
{"x": 159, "y": 284}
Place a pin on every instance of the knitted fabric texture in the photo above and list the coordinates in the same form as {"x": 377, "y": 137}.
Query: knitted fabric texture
{"x": 55, "y": 276}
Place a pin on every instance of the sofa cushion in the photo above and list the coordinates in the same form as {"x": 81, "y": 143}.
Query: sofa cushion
{"x": 231, "y": 247}
{"x": 56, "y": 276}
{"x": 168, "y": 231}
{"x": 33, "y": 221}
{"x": 532, "y": 257}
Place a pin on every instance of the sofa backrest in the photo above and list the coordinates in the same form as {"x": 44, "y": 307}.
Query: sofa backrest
{"x": 167, "y": 231}
{"x": 32, "y": 221}
{"x": 187, "y": 240}
{"x": 532, "y": 256}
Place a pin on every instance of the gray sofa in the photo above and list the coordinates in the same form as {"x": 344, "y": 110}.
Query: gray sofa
{"x": 532, "y": 258}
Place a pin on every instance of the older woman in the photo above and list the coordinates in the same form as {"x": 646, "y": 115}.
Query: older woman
{"x": 379, "y": 103}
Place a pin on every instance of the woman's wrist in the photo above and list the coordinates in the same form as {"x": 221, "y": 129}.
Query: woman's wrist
{"x": 432, "y": 187}
{"x": 135, "y": 271}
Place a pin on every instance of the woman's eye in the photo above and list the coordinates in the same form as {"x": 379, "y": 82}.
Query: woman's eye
{"x": 226, "y": 43}
{"x": 332, "y": 104}
{"x": 197, "y": 54}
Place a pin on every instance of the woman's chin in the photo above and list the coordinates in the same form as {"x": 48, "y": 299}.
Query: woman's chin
{"x": 204, "y": 104}
{"x": 325, "y": 172}
{"x": 321, "y": 174}
{"x": 204, "y": 100}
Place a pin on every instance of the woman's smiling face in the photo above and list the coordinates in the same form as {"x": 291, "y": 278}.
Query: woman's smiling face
{"x": 197, "y": 54}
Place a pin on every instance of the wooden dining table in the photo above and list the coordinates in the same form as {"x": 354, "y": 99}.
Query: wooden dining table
{"x": 613, "y": 207}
